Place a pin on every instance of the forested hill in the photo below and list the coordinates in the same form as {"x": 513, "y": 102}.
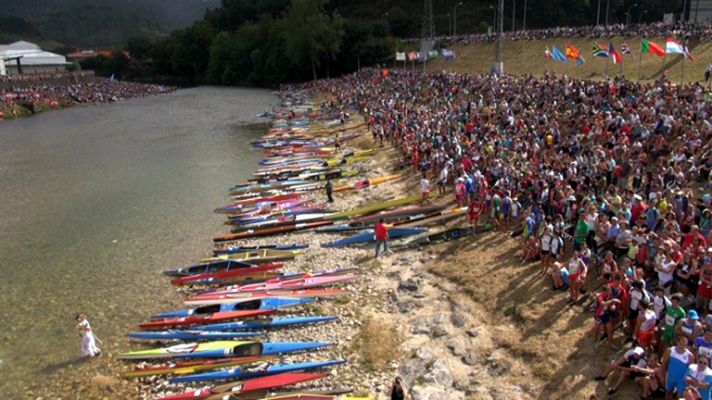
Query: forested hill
{"x": 96, "y": 23}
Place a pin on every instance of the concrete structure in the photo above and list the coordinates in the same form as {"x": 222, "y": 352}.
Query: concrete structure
{"x": 700, "y": 11}
{"x": 32, "y": 59}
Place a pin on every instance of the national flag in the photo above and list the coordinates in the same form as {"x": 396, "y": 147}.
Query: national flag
{"x": 615, "y": 55}
{"x": 599, "y": 50}
{"x": 547, "y": 53}
{"x": 624, "y": 48}
{"x": 433, "y": 54}
{"x": 580, "y": 60}
{"x": 572, "y": 52}
{"x": 557, "y": 55}
{"x": 673, "y": 47}
{"x": 412, "y": 56}
{"x": 400, "y": 56}
{"x": 688, "y": 54}
{"x": 647, "y": 46}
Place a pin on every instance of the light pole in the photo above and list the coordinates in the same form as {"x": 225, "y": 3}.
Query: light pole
{"x": 598, "y": 14}
{"x": 627, "y": 14}
{"x": 383, "y": 18}
{"x": 454, "y": 19}
{"x": 494, "y": 17}
{"x": 449, "y": 24}
{"x": 608, "y": 8}
{"x": 524, "y": 23}
{"x": 640, "y": 16}
{"x": 514, "y": 13}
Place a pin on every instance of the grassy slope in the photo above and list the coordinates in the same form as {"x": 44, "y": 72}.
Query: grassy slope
{"x": 524, "y": 57}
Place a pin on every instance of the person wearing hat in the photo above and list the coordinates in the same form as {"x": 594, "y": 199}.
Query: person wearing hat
{"x": 690, "y": 326}
{"x": 699, "y": 379}
{"x": 627, "y": 364}
{"x": 460, "y": 191}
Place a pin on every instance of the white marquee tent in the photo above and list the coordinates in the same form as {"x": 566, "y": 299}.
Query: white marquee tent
{"x": 31, "y": 56}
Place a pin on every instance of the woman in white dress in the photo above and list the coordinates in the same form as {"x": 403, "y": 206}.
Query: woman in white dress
{"x": 89, "y": 347}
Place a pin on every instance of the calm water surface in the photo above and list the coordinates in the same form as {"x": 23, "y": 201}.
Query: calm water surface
{"x": 94, "y": 203}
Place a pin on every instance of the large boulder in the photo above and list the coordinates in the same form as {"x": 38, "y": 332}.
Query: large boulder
{"x": 439, "y": 373}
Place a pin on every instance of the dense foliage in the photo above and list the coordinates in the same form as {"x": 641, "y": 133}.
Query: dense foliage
{"x": 266, "y": 42}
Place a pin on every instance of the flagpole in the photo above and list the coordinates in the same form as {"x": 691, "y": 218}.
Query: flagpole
{"x": 682, "y": 70}
{"x": 640, "y": 62}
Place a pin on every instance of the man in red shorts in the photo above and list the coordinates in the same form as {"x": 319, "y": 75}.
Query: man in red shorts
{"x": 474, "y": 210}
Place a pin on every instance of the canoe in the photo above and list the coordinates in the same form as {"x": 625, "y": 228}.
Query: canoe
{"x": 360, "y": 184}
{"x": 204, "y": 319}
{"x": 368, "y": 236}
{"x": 249, "y": 387}
{"x": 271, "y": 231}
{"x": 241, "y": 373}
{"x": 313, "y": 396}
{"x": 262, "y": 207}
{"x": 191, "y": 335}
{"x": 281, "y": 221}
{"x": 398, "y": 213}
{"x": 287, "y": 284}
{"x": 371, "y": 208}
{"x": 241, "y": 249}
{"x": 442, "y": 216}
{"x": 237, "y": 305}
{"x": 265, "y": 323}
{"x": 192, "y": 367}
{"x": 263, "y": 199}
{"x": 209, "y": 268}
{"x": 208, "y": 299}
{"x": 435, "y": 238}
{"x": 222, "y": 348}
{"x": 257, "y": 256}
{"x": 265, "y": 271}
{"x": 244, "y": 219}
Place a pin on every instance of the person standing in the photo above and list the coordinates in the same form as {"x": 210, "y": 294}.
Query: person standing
{"x": 381, "y": 235}
{"x": 676, "y": 362}
{"x": 329, "y": 191}
{"x": 397, "y": 391}
{"x": 424, "y": 188}
{"x": 89, "y": 347}
{"x": 708, "y": 74}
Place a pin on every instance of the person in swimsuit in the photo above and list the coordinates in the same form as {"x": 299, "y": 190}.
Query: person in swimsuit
{"x": 676, "y": 361}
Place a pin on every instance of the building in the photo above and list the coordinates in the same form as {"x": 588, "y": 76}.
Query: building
{"x": 700, "y": 11}
{"x": 25, "y": 57}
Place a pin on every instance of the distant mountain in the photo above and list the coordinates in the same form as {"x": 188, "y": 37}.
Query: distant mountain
{"x": 96, "y": 23}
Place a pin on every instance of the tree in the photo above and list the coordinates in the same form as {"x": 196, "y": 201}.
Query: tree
{"x": 139, "y": 47}
{"x": 311, "y": 37}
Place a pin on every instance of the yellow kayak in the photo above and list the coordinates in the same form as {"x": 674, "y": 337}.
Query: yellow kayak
{"x": 261, "y": 256}
{"x": 360, "y": 184}
{"x": 371, "y": 208}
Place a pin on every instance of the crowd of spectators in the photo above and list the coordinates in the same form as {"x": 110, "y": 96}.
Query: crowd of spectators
{"x": 650, "y": 30}
{"x": 606, "y": 184}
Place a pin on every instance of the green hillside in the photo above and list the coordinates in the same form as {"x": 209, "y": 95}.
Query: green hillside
{"x": 527, "y": 57}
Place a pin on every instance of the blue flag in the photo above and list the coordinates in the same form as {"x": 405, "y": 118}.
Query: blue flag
{"x": 557, "y": 55}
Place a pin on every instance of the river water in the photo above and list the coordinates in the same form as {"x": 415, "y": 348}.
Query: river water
{"x": 94, "y": 202}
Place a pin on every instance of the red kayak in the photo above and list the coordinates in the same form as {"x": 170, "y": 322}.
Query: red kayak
{"x": 225, "y": 275}
{"x": 271, "y": 231}
{"x": 247, "y": 386}
{"x": 203, "y": 319}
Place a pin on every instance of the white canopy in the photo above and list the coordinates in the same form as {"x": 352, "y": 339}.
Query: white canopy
{"x": 31, "y": 54}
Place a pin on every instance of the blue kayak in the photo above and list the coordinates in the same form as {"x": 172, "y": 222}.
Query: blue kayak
{"x": 263, "y": 323}
{"x": 245, "y": 373}
{"x": 190, "y": 335}
{"x": 368, "y": 236}
{"x": 248, "y": 304}
{"x": 221, "y": 349}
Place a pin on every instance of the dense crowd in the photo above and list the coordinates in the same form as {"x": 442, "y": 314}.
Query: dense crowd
{"x": 652, "y": 30}
{"x": 55, "y": 95}
{"x": 43, "y": 76}
{"x": 606, "y": 185}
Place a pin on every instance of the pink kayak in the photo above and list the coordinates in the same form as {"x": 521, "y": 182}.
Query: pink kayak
{"x": 281, "y": 284}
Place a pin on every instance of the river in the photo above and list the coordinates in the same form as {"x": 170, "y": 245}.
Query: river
{"x": 95, "y": 202}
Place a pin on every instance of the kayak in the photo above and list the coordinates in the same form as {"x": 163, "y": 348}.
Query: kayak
{"x": 366, "y": 183}
{"x": 262, "y": 370}
{"x": 258, "y": 271}
{"x": 222, "y": 348}
{"x": 286, "y": 284}
{"x": 264, "y": 323}
{"x": 251, "y": 387}
{"x": 262, "y": 207}
{"x": 313, "y": 396}
{"x": 204, "y": 319}
{"x": 435, "y": 238}
{"x": 207, "y": 299}
{"x": 207, "y": 268}
{"x": 441, "y": 216}
{"x": 191, "y": 335}
{"x": 368, "y": 236}
{"x": 280, "y": 221}
{"x": 271, "y": 231}
{"x": 240, "y": 249}
{"x": 257, "y": 256}
{"x": 374, "y": 207}
{"x": 192, "y": 367}
{"x": 244, "y": 304}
